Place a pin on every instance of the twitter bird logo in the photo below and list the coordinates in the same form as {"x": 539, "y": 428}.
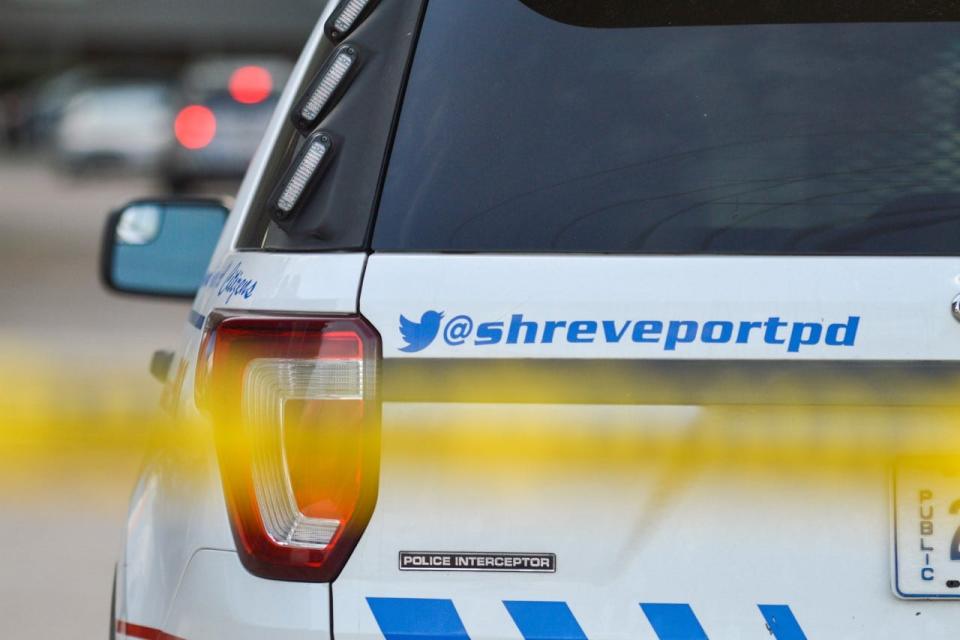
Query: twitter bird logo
{"x": 419, "y": 335}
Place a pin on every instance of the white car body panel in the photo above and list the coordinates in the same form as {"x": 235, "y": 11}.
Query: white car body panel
{"x": 218, "y": 598}
{"x": 297, "y": 283}
{"x": 722, "y": 540}
{"x": 172, "y": 514}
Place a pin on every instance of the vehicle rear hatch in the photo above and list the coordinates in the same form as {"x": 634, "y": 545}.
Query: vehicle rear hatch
{"x": 726, "y": 477}
{"x": 667, "y": 332}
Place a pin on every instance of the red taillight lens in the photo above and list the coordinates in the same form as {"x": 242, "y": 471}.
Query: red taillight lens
{"x": 297, "y": 421}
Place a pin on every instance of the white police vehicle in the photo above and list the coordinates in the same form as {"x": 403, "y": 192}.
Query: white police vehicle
{"x": 504, "y": 281}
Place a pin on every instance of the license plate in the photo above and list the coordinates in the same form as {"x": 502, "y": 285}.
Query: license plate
{"x": 926, "y": 498}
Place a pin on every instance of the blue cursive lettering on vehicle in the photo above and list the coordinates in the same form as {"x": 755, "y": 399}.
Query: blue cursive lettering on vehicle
{"x": 230, "y": 281}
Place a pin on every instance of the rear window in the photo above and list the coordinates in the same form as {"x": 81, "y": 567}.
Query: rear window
{"x": 524, "y": 132}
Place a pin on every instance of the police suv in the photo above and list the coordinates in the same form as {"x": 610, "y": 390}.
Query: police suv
{"x": 568, "y": 319}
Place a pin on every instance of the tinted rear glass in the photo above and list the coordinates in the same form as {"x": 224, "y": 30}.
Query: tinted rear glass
{"x": 523, "y": 133}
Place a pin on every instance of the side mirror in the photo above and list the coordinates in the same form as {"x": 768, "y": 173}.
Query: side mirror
{"x": 161, "y": 248}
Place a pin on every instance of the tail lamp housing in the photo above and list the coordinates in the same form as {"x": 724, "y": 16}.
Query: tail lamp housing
{"x": 297, "y": 420}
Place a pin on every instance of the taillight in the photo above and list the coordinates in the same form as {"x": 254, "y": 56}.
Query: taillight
{"x": 195, "y": 126}
{"x": 297, "y": 423}
{"x": 250, "y": 85}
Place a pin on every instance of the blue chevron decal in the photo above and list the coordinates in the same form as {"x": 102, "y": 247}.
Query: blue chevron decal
{"x": 544, "y": 620}
{"x": 437, "y": 619}
{"x": 673, "y": 621}
{"x": 781, "y": 622}
{"x": 417, "y": 619}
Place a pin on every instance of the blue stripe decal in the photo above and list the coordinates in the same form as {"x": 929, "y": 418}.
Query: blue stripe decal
{"x": 781, "y": 622}
{"x": 673, "y": 621}
{"x": 544, "y": 620}
{"x": 196, "y": 319}
{"x": 417, "y": 619}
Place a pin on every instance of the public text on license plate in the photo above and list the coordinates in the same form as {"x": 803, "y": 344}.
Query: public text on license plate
{"x": 926, "y": 510}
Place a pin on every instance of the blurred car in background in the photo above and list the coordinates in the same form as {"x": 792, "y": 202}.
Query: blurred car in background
{"x": 116, "y": 124}
{"x": 225, "y": 106}
{"x": 40, "y": 105}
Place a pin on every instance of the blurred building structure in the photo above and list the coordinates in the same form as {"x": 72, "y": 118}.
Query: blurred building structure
{"x": 39, "y": 35}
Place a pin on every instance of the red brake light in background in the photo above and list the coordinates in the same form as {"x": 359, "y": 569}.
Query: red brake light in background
{"x": 195, "y": 126}
{"x": 297, "y": 421}
{"x": 250, "y": 85}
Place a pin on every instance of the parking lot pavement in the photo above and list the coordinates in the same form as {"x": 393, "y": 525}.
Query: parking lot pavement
{"x": 62, "y": 339}
{"x": 49, "y": 252}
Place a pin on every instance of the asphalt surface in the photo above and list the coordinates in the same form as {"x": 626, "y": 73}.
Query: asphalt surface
{"x": 67, "y": 347}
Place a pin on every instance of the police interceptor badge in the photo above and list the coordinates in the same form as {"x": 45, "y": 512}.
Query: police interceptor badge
{"x": 477, "y": 561}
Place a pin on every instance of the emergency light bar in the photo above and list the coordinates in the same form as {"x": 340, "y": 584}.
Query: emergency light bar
{"x": 300, "y": 177}
{"x": 345, "y": 17}
{"x": 326, "y": 87}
